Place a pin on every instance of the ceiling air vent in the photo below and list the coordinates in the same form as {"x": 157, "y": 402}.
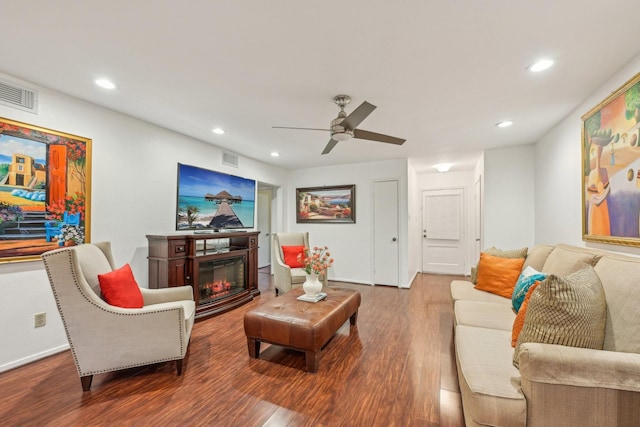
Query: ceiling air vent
{"x": 229, "y": 159}
{"x": 18, "y": 97}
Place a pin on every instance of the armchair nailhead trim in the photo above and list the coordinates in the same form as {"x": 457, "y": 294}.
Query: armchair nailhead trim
{"x": 69, "y": 253}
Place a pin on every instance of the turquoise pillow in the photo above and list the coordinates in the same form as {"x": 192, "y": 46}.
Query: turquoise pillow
{"x": 522, "y": 286}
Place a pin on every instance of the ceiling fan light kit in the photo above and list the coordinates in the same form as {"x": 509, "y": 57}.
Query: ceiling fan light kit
{"x": 344, "y": 127}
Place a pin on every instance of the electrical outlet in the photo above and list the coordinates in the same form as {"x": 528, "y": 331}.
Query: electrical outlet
{"x": 40, "y": 319}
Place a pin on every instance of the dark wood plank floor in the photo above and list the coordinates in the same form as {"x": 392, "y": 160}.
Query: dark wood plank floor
{"x": 395, "y": 368}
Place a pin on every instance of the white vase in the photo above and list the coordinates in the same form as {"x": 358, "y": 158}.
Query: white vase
{"x": 312, "y": 286}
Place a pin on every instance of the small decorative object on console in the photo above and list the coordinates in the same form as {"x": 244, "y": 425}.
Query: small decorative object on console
{"x": 319, "y": 297}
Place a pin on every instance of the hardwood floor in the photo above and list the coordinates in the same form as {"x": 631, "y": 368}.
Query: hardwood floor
{"x": 395, "y": 368}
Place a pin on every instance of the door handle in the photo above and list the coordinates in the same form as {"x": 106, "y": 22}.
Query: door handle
{"x": 394, "y": 239}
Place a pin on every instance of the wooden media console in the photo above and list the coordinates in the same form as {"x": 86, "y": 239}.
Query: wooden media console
{"x": 221, "y": 267}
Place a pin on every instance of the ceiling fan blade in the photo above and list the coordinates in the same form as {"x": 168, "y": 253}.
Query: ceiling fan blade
{"x": 288, "y": 127}
{"x": 332, "y": 143}
{"x": 372, "y": 136}
{"x": 358, "y": 115}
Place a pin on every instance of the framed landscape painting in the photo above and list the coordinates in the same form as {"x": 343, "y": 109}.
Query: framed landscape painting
{"x": 326, "y": 204}
{"x": 45, "y": 190}
{"x": 611, "y": 168}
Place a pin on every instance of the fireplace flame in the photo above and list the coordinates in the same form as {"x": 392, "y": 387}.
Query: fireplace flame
{"x": 216, "y": 289}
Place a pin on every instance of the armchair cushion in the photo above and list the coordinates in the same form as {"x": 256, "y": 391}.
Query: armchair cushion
{"x": 120, "y": 288}
{"x": 290, "y": 255}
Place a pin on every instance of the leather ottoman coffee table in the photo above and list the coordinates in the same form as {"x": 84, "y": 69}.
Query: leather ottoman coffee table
{"x": 300, "y": 325}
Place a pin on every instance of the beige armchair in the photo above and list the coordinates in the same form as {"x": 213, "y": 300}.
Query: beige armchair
{"x": 285, "y": 277}
{"x": 105, "y": 338}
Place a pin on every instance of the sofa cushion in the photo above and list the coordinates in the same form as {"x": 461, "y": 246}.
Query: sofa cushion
{"x": 537, "y": 256}
{"x": 483, "y": 315}
{"x": 620, "y": 277}
{"x": 566, "y": 310}
{"x": 489, "y": 384}
{"x": 465, "y": 290}
{"x": 498, "y": 275}
{"x": 565, "y": 260}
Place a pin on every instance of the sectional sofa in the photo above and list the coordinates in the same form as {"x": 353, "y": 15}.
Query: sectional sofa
{"x": 555, "y": 385}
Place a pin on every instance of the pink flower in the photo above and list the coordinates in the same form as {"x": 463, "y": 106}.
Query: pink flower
{"x": 317, "y": 261}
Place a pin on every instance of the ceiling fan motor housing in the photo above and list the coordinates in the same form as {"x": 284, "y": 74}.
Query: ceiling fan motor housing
{"x": 339, "y": 133}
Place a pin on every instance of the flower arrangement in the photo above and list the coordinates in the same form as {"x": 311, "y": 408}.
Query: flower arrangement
{"x": 317, "y": 261}
{"x": 72, "y": 204}
{"x": 71, "y": 233}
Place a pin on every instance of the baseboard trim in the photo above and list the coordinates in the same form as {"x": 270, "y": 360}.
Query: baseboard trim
{"x": 33, "y": 357}
{"x": 341, "y": 279}
{"x": 362, "y": 282}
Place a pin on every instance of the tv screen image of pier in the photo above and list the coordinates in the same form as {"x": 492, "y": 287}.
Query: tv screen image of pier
{"x": 211, "y": 200}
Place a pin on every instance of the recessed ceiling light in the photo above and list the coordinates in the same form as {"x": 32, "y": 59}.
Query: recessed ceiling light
{"x": 541, "y": 65}
{"x": 504, "y": 124}
{"x": 219, "y": 131}
{"x": 443, "y": 167}
{"x": 275, "y": 154}
{"x": 105, "y": 84}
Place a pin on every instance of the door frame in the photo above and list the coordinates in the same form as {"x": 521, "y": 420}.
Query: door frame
{"x": 477, "y": 218}
{"x": 373, "y": 231}
{"x": 266, "y": 190}
{"x": 278, "y": 214}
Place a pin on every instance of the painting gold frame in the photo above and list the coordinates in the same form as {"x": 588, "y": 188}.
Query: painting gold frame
{"x": 45, "y": 190}
{"x": 332, "y": 204}
{"x": 611, "y": 168}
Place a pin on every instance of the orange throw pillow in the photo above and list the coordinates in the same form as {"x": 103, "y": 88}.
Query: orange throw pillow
{"x": 291, "y": 253}
{"x": 119, "y": 288}
{"x": 518, "y": 322}
{"x": 498, "y": 275}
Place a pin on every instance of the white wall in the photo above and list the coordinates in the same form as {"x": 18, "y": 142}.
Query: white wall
{"x": 351, "y": 245}
{"x": 133, "y": 194}
{"x": 558, "y": 198}
{"x": 509, "y": 197}
{"x": 450, "y": 180}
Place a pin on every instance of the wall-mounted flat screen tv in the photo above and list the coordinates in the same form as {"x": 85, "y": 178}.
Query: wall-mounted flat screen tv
{"x": 210, "y": 200}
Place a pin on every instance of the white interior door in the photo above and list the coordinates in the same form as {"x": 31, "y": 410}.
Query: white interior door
{"x": 385, "y": 229}
{"x": 443, "y": 249}
{"x": 264, "y": 227}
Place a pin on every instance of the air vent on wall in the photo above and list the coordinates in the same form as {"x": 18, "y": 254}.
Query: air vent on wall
{"x": 18, "y": 97}
{"x": 229, "y": 159}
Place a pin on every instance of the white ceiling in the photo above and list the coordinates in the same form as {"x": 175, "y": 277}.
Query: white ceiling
{"x": 442, "y": 73}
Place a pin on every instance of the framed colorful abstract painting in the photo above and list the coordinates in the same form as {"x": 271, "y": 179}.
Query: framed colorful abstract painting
{"x": 45, "y": 190}
{"x": 611, "y": 168}
{"x": 326, "y": 204}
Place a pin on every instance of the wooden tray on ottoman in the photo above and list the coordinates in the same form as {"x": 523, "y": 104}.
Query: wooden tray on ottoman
{"x": 301, "y": 325}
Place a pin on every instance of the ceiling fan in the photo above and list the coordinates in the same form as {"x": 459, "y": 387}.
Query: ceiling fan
{"x": 344, "y": 127}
